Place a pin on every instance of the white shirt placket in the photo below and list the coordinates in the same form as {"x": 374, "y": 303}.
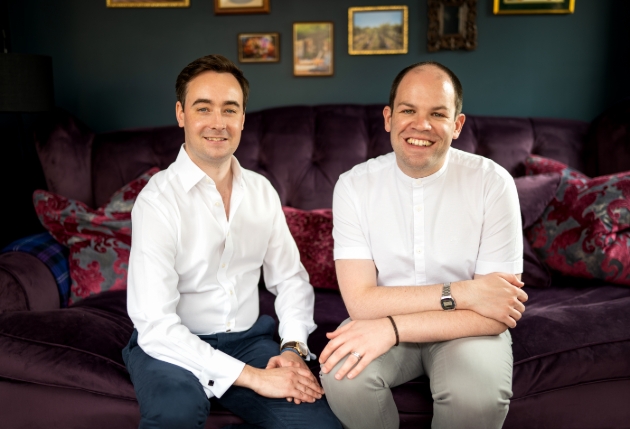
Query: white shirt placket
{"x": 418, "y": 232}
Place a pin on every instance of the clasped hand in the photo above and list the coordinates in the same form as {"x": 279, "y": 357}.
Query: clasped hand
{"x": 496, "y": 296}
{"x": 292, "y": 379}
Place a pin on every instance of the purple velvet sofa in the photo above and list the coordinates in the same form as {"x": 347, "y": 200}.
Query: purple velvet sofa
{"x": 62, "y": 368}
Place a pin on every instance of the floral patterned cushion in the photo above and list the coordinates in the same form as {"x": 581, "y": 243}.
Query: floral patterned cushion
{"x": 99, "y": 240}
{"x": 312, "y": 231}
{"x": 585, "y": 230}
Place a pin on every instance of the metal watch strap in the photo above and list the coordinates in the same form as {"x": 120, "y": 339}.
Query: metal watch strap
{"x": 446, "y": 289}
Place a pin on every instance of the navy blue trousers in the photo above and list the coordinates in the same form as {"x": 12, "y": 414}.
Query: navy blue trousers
{"x": 172, "y": 397}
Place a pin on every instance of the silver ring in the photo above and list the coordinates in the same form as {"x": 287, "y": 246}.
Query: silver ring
{"x": 356, "y": 355}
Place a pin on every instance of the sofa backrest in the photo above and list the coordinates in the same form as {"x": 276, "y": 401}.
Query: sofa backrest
{"x": 302, "y": 150}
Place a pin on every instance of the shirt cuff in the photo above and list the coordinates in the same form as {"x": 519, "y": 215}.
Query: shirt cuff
{"x": 353, "y": 253}
{"x": 515, "y": 267}
{"x": 296, "y": 332}
{"x": 220, "y": 373}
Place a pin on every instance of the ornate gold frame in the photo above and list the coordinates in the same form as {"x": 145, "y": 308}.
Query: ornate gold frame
{"x": 242, "y": 59}
{"x": 403, "y": 50}
{"x": 238, "y": 10}
{"x": 465, "y": 38}
{"x": 149, "y": 3}
{"x": 497, "y": 11}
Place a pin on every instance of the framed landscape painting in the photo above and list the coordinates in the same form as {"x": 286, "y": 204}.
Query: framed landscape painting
{"x": 313, "y": 49}
{"x": 377, "y": 30}
{"x": 148, "y": 3}
{"x": 533, "y": 6}
{"x": 240, "y": 6}
{"x": 259, "y": 47}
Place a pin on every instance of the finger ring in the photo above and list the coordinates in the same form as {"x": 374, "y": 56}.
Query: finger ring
{"x": 356, "y": 355}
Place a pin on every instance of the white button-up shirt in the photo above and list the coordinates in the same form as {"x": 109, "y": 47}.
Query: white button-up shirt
{"x": 460, "y": 221}
{"x": 195, "y": 271}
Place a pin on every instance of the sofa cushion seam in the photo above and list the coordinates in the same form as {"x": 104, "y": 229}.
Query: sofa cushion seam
{"x": 569, "y": 350}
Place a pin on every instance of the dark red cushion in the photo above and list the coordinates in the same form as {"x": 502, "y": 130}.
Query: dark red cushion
{"x": 99, "y": 240}
{"x": 312, "y": 231}
{"x": 585, "y": 230}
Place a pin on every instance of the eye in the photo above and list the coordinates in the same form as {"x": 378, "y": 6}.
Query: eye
{"x": 408, "y": 111}
{"x": 203, "y": 109}
{"x": 439, "y": 115}
{"x": 231, "y": 111}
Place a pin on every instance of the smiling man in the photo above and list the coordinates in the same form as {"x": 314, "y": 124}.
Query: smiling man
{"x": 202, "y": 230}
{"x": 428, "y": 250}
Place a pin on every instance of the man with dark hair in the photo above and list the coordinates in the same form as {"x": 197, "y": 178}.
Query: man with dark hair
{"x": 202, "y": 230}
{"x": 428, "y": 250}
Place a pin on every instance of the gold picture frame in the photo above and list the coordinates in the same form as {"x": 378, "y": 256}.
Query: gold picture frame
{"x": 147, "y": 3}
{"x": 258, "y": 47}
{"x": 229, "y": 7}
{"x": 521, "y": 7}
{"x": 313, "y": 53}
{"x": 378, "y": 30}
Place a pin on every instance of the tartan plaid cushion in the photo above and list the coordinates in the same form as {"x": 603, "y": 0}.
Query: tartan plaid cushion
{"x": 45, "y": 248}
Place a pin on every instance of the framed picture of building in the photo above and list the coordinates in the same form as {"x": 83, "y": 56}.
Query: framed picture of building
{"x": 313, "y": 49}
{"x": 377, "y": 30}
{"x": 259, "y": 47}
{"x": 148, "y": 3}
{"x": 511, "y": 7}
{"x": 223, "y": 7}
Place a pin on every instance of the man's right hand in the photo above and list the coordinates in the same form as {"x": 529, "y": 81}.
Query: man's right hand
{"x": 286, "y": 382}
{"x": 497, "y": 296}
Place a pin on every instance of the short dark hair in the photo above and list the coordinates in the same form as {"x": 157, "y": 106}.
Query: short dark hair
{"x": 215, "y": 63}
{"x": 457, "y": 85}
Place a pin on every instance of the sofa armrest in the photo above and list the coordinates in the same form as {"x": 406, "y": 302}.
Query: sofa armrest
{"x": 26, "y": 283}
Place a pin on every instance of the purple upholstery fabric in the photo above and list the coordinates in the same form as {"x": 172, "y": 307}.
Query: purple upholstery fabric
{"x": 534, "y": 193}
{"x": 607, "y": 148}
{"x": 571, "y": 348}
{"x": 27, "y": 284}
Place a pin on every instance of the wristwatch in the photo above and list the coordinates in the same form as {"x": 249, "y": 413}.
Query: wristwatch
{"x": 296, "y": 347}
{"x": 447, "y": 301}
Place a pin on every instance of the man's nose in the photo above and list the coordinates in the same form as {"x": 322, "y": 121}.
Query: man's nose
{"x": 217, "y": 122}
{"x": 421, "y": 122}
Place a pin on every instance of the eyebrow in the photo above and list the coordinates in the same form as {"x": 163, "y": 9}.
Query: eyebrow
{"x": 403, "y": 103}
{"x": 227, "y": 103}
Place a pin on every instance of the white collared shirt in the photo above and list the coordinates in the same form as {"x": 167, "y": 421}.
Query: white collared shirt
{"x": 194, "y": 271}
{"x": 460, "y": 221}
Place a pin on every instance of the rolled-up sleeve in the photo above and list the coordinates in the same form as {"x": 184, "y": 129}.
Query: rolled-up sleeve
{"x": 153, "y": 297}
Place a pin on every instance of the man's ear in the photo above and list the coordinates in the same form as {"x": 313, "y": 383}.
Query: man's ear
{"x": 387, "y": 116}
{"x": 179, "y": 114}
{"x": 459, "y": 124}
{"x": 243, "y": 124}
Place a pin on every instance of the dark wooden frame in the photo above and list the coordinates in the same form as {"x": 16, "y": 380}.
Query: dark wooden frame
{"x": 218, "y": 10}
{"x": 148, "y": 3}
{"x": 466, "y": 38}
{"x": 274, "y": 35}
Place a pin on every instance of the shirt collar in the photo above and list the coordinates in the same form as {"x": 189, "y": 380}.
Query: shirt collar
{"x": 422, "y": 180}
{"x": 190, "y": 174}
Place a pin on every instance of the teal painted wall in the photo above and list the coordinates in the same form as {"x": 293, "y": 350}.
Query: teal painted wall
{"x": 116, "y": 68}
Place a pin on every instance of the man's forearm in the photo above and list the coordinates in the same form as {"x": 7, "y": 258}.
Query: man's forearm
{"x": 433, "y": 326}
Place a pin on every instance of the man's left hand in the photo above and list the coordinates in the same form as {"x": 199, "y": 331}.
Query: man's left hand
{"x": 289, "y": 359}
{"x": 369, "y": 338}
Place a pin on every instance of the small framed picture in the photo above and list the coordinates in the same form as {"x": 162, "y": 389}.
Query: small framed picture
{"x": 148, "y": 3}
{"x": 313, "y": 49}
{"x": 510, "y": 7}
{"x": 223, "y": 7}
{"x": 259, "y": 47}
{"x": 377, "y": 30}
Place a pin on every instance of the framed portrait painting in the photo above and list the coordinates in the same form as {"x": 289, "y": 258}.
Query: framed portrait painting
{"x": 313, "y": 49}
{"x": 511, "y": 7}
{"x": 259, "y": 47}
{"x": 224, "y": 7}
{"x": 148, "y": 3}
{"x": 377, "y": 30}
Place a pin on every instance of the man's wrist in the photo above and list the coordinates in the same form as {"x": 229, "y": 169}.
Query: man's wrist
{"x": 292, "y": 351}
{"x": 247, "y": 377}
{"x": 459, "y": 292}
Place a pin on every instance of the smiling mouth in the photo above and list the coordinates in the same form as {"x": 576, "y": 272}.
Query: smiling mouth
{"x": 418, "y": 142}
{"x": 215, "y": 139}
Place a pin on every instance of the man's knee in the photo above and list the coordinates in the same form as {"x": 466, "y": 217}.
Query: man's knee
{"x": 173, "y": 403}
{"x": 366, "y": 381}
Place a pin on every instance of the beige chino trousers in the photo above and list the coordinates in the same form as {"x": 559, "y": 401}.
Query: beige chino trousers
{"x": 471, "y": 384}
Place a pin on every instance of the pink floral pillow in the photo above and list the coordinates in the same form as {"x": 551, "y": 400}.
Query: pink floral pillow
{"x": 312, "y": 231}
{"x": 585, "y": 230}
{"x": 99, "y": 240}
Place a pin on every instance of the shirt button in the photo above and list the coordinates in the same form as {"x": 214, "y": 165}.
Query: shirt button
{"x": 231, "y": 292}
{"x": 419, "y": 251}
{"x": 417, "y": 181}
{"x": 419, "y": 209}
{"x": 222, "y": 265}
{"x": 217, "y": 204}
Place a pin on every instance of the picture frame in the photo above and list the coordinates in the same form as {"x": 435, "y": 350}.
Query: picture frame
{"x": 514, "y": 7}
{"x": 231, "y": 7}
{"x": 147, "y": 3}
{"x": 313, "y": 53}
{"x": 378, "y": 30}
{"x": 258, "y": 47}
{"x": 452, "y": 25}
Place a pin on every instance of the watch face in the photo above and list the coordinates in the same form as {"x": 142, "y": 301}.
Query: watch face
{"x": 301, "y": 348}
{"x": 448, "y": 303}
